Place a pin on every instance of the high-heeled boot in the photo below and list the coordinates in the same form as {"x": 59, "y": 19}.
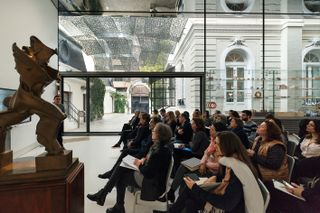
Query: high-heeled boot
{"x": 98, "y": 197}
{"x": 171, "y": 196}
{"x": 105, "y": 175}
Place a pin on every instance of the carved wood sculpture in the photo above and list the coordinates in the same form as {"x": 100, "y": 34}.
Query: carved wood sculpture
{"x": 35, "y": 74}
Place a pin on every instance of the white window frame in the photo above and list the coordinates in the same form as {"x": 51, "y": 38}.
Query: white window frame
{"x": 308, "y": 75}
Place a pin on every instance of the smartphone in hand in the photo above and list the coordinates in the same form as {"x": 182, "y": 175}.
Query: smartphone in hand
{"x": 192, "y": 176}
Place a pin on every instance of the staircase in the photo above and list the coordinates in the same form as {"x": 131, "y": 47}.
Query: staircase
{"x": 74, "y": 113}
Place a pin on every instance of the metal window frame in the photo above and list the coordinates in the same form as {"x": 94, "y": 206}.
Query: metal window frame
{"x": 89, "y": 75}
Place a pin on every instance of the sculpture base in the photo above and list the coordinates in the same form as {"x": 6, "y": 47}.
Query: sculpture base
{"x": 53, "y": 162}
{"x": 5, "y": 158}
{"x": 24, "y": 189}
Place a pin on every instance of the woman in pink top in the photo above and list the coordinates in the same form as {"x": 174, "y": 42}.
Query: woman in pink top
{"x": 209, "y": 164}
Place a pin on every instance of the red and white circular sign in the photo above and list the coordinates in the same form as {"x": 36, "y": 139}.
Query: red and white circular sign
{"x": 212, "y": 105}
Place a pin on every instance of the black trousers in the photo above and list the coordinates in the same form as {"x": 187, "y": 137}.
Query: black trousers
{"x": 187, "y": 201}
{"x": 123, "y": 154}
{"x": 121, "y": 178}
{"x": 178, "y": 156}
{"x": 124, "y": 137}
{"x": 126, "y": 180}
{"x": 178, "y": 178}
{"x": 284, "y": 203}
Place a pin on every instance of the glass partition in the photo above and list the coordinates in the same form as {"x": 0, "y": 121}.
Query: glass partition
{"x": 233, "y": 61}
{"x": 113, "y": 101}
{"x": 253, "y": 56}
{"x": 74, "y": 101}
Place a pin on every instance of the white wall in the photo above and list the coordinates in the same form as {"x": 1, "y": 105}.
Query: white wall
{"x": 74, "y": 86}
{"x": 19, "y": 20}
{"x": 108, "y": 100}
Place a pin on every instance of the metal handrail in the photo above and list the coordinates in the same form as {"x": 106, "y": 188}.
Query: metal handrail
{"x": 74, "y": 113}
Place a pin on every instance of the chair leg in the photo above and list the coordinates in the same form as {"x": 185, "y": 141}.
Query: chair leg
{"x": 135, "y": 202}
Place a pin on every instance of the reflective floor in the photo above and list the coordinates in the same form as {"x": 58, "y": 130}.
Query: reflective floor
{"x": 96, "y": 154}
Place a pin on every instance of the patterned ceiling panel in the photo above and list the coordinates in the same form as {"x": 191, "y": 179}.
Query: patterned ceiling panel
{"x": 130, "y": 39}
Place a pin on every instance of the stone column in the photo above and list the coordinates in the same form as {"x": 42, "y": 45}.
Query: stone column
{"x": 291, "y": 59}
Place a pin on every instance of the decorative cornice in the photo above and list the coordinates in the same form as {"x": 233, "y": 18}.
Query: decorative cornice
{"x": 237, "y": 42}
{"x": 315, "y": 43}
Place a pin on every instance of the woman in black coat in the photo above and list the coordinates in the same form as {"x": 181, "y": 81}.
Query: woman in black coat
{"x": 229, "y": 195}
{"x": 236, "y": 126}
{"x": 195, "y": 148}
{"x": 151, "y": 177}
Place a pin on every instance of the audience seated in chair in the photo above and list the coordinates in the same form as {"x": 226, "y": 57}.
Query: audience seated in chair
{"x": 151, "y": 177}
{"x": 310, "y": 145}
{"x": 277, "y": 121}
{"x": 238, "y": 191}
{"x": 268, "y": 153}
{"x": 195, "y": 148}
{"x": 127, "y": 129}
{"x": 236, "y": 126}
{"x": 143, "y": 132}
{"x": 136, "y": 152}
{"x": 170, "y": 120}
{"x": 209, "y": 163}
{"x": 249, "y": 126}
{"x": 284, "y": 203}
{"x": 184, "y": 131}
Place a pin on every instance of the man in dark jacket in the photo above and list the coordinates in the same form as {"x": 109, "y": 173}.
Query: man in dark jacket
{"x": 128, "y": 128}
{"x": 184, "y": 132}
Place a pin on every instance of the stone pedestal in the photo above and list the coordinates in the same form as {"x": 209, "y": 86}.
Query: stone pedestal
{"x": 53, "y": 162}
{"x": 25, "y": 189}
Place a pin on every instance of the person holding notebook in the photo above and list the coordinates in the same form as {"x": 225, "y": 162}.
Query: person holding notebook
{"x": 239, "y": 190}
{"x": 209, "y": 164}
{"x": 195, "y": 148}
{"x": 151, "y": 177}
{"x": 285, "y": 203}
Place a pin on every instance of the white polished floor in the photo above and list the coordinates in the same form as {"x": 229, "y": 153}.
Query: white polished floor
{"x": 96, "y": 154}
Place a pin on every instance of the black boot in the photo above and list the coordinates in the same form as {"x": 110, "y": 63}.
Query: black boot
{"x": 98, "y": 197}
{"x": 171, "y": 196}
{"x": 116, "y": 209}
{"x": 117, "y": 145}
{"x": 105, "y": 175}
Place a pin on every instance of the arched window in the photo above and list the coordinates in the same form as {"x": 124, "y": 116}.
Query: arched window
{"x": 312, "y": 5}
{"x": 234, "y": 57}
{"x": 235, "y": 76}
{"x": 237, "y": 5}
{"x": 311, "y": 73}
{"x": 311, "y": 57}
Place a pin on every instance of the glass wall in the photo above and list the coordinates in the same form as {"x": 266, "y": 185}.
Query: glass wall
{"x": 74, "y": 101}
{"x": 258, "y": 56}
{"x": 254, "y": 54}
{"x": 113, "y": 101}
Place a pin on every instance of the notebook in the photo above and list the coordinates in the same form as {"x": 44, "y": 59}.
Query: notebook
{"x": 207, "y": 186}
{"x": 281, "y": 186}
{"x": 201, "y": 181}
{"x": 127, "y": 162}
{"x": 192, "y": 164}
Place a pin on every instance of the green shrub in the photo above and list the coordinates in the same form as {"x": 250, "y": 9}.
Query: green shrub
{"x": 97, "y": 91}
{"x": 119, "y": 102}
